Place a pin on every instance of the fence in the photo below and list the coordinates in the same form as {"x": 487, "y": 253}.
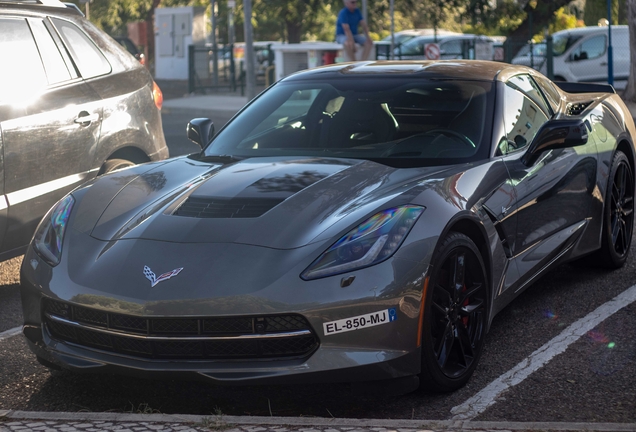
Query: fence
{"x": 230, "y": 75}
{"x": 201, "y": 76}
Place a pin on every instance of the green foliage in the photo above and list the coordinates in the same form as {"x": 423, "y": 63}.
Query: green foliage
{"x": 597, "y": 9}
{"x": 507, "y": 16}
{"x": 563, "y": 20}
{"x": 316, "y": 19}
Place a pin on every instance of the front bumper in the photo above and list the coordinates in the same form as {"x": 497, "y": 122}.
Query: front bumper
{"x": 326, "y": 365}
{"x": 381, "y": 352}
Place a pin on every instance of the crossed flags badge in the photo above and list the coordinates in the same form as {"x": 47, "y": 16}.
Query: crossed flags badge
{"x": 154, "y": 280}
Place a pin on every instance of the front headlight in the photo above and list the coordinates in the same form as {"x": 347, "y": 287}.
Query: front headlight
{"x": 371, "y": 242}
{"x": 49, "y": 236}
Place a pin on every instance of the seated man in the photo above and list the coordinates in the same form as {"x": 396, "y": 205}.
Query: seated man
{"x": 347, "y": 34}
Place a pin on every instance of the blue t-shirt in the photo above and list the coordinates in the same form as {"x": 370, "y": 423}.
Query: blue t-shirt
{"x": 351, "y": 18}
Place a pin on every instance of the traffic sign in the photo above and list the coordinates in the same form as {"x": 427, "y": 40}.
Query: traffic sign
{"x": 431, "y": 51}
{"x": 499, "y": 54}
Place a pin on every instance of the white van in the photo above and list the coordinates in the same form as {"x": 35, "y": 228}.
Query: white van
{"x": 580, "y": 54}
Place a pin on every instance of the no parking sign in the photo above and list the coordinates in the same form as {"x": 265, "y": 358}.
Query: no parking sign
{"x": 431, "y": 50}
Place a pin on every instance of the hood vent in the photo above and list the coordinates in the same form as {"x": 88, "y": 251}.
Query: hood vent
{"x": 577, "y": 108}
{"x": 226, "y": 208}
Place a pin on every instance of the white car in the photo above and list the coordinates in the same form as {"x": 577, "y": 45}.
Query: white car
{"x": 451, "y": 47}
{"x": 580, "y": 54}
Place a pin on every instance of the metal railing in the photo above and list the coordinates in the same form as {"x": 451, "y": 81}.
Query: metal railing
{"x": 201, "y": 76}
{"x": 230, "y": 69}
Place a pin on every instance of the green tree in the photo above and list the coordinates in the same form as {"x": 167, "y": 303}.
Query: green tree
{"x": 539, "y": 14}
{"x": 597, "y": 9}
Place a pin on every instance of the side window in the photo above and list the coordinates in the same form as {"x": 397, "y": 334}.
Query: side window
{"x": 411, "y": 47}
{"x": 452, "y": 49}
{"x": 590, "y": 49}
{"x": 551, "y": 93}
{"x": 56, "y": 70}
{"x": 23, "y": 75}
{"x": 526, "y": 84}
{"x": 89, "y": 59}
{"x": 522, "y": 120}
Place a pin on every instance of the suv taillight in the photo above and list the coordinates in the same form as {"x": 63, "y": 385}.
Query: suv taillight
{"x": 157, "y": 95}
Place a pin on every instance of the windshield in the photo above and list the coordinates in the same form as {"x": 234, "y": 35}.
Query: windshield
{"x": 414, "y": 46}
{"x": 561, "y": 43}
{"x": 399, "y": 38}
{"x": 399, "y": 122}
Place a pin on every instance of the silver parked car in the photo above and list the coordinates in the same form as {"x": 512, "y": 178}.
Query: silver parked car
{"x": 355, "y": 222}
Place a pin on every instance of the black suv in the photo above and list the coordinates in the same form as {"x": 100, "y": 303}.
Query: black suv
{"x": 74, "y": 104}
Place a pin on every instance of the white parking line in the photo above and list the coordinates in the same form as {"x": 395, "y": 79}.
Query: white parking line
{"x": 10, "y": 333}
{"x": 487, "y": 397}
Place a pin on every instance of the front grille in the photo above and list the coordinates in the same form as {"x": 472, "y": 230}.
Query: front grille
{"x": 246, "y": 337}
{"x": 224, "y": 208}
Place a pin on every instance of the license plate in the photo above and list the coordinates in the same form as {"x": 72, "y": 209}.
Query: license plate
{"x": 359, "y": 322}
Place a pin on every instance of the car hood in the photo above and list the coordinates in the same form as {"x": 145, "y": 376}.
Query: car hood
{"x": 280, "y": 203}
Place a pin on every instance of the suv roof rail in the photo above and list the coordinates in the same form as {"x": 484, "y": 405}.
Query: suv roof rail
{"x": 74, "y": 7}
{"x": 51, "y": 3}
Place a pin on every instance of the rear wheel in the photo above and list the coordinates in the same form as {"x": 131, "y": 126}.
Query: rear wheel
{"x": 115, "y": 164}
{"x": 618, "y": 217}
{"x": 454, "y": 315}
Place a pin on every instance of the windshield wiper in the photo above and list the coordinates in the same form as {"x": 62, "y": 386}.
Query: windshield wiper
{"x": 221, "y": 158}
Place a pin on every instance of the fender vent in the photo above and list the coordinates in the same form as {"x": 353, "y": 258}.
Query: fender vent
{"x": 577, "y": 108}
{"x": 224, "y": 208}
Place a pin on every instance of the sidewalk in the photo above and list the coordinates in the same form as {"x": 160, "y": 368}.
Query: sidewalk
{"x": 25, "y": 421}
{"x": 200, "y": 106}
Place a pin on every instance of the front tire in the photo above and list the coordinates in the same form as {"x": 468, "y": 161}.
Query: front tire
{"x": 618, "y": 214}
{"x": 115, "y": 164}
{"x": 455, "y": 315}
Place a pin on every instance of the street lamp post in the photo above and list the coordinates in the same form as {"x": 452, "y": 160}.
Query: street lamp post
{"x": 230, "y": 21}
{"x": 215, "y": 56}
{"x": 250, "y": 70}
{"x": 610, "y": 54}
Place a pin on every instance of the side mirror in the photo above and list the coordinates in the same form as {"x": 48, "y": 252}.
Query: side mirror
{"x": 556, "y": 134}
{"x": 200, "y": 131}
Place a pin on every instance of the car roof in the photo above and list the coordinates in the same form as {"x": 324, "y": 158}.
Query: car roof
{"x": 48, "y": 7}
{"x": 428, "y": 32}
{"x": 447, "y": 37}
{"x": 479, "y": 70}
{"x": 590, "y": 29}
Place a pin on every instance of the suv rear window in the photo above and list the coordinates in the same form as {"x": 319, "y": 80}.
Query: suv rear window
{"x": 89, "y": 59}
{"x": 25, "y": 75}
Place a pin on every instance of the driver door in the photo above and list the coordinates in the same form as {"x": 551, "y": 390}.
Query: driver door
{"x": 553, "y": 194}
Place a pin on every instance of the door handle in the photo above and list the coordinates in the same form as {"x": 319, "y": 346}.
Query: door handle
{"x": 85, "y": 118}
{"x": 604, "y": 64}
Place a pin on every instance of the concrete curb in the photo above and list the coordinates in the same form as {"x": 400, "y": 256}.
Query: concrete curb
{"x": 317, "y": 421}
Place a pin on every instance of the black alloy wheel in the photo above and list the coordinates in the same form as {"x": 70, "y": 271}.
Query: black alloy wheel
{"x": 455, "y": 315}
{"x": 618, "y": 224}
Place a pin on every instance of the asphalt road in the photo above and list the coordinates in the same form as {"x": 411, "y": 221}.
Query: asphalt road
{"x": 594, "y": 380}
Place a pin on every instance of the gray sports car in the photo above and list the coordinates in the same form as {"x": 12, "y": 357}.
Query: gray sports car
{"x": 354, "y": 222}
